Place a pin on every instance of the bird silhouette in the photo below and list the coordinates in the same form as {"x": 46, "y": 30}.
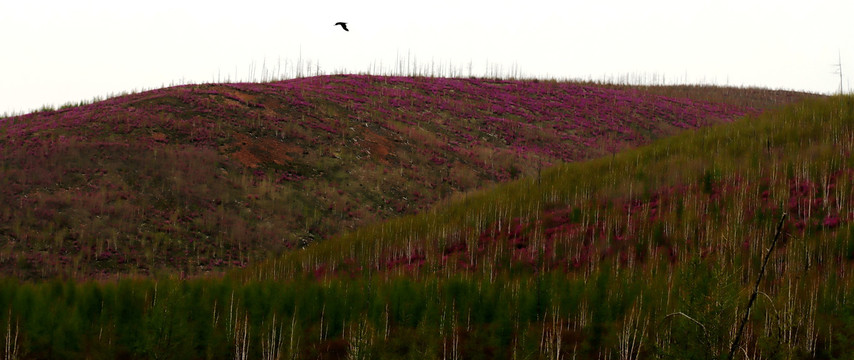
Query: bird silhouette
{"x": 343, "y": 25}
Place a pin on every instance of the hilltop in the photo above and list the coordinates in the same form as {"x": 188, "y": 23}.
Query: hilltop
{"x": 197, "y": 178}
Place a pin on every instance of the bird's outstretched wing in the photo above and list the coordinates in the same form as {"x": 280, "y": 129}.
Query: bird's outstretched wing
{"x": 343, "y": 25}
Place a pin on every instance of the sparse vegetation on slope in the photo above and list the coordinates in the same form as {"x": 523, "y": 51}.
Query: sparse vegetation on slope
{"x": 758, "y": 98}
{"x": 199, "y": 178}
{"x": 650, "y": 253}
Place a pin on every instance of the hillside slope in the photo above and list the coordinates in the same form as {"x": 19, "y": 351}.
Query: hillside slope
{"x": 196, "y": 178}
{"x": 652, "y": 253}
{"x": 648, "y": 254}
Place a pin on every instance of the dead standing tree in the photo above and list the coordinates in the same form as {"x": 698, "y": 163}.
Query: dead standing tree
{"x": 736, "y": 342}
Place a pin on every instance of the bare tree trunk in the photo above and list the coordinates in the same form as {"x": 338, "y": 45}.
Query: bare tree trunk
{"x": 737, "y": 340}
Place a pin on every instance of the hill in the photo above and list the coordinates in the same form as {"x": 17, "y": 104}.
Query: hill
{"x": 204, "y": 177}
{"x": 649, "y": 253}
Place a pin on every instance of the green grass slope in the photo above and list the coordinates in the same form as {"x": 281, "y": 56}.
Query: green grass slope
{"x": 650, "y": 253}
{"x": 200, "y": 178}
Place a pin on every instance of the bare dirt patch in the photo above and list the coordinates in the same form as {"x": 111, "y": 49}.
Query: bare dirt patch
{"x": 378, "y": 145}
{"x": 252, "y": 152}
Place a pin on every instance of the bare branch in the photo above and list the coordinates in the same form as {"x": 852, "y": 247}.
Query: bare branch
{"x": 687, "y": 317}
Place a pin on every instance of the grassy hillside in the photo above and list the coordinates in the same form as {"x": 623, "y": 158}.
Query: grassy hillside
{"x": 758, "y": 98}
{"x": 204, "y": 177}
{"x": 650, "y": 253}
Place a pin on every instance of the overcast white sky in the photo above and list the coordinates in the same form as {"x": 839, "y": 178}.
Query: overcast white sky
{"x": 54, "y": 52}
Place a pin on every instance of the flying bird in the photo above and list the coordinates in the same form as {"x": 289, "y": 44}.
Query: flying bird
{"x": 343, "y": 25}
